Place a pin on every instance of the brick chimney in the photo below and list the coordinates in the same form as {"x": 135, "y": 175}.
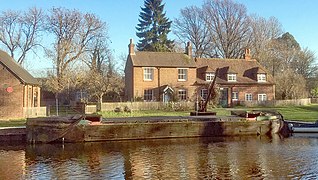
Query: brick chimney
{"x": 247, "y": 54}
{"x": 189, "y": 49}
{"x": 131, "y": 47}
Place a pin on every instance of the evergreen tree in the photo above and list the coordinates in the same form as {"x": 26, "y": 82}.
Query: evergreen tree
{"x": 153, "y": 28}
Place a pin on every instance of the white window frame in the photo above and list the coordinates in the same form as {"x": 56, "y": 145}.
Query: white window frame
{"x": 248, "y": 97}
{"x": 182, "y": 74}
{"x": 209, "y": 76}
{"x": 231, "y": 77}
{"x": 148, "y": 94}
{"x": 148, "y": 73}
{"x": 182, "y": 94}
{"x": 262, "y": 97}
{"x": 261, "y": 77}
{"x": 204, "y": 93}
{"x": 235, "y": 96}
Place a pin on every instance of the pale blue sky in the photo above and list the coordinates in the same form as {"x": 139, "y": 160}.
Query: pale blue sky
{"x": 297, "y": 17}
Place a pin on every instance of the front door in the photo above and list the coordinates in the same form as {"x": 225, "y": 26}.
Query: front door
{"x": 224, "y": 97}
{"x": 167, "y": 94}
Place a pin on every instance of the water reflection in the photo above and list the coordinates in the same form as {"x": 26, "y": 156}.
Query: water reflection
{"x": 195, "y": 158}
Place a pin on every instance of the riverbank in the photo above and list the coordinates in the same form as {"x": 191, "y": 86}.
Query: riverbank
{"x": 307, "y": 113}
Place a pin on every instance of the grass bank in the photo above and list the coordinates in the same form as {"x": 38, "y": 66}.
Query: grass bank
{"x": 297, "y": 113}
{"x": 12, "y": 123}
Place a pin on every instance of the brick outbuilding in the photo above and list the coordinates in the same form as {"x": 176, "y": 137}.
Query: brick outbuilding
{"x": 18, "y": 89}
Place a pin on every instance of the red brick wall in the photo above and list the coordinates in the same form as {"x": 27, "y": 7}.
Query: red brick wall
{"x": 167, "y": 76}
{"x": 255, "y": 90}
{"x": 11, "y": 104}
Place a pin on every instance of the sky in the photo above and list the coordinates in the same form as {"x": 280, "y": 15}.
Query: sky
{"x": 297, "y": 17}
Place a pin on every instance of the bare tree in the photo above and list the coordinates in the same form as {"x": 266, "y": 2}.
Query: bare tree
{"x": 73, "y": 32}
{"x": 20, "y": 31}
{"x": 262, "y": 32}
{"x": 228, "y": 25}
{"x": 105, "y": 82}
{"x": 290, "y": 85}
{"x": 190, "y": 26}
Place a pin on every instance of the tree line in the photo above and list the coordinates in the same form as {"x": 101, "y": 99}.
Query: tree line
{"x": 224, "y": 29}
{"x": 78, "y": 45}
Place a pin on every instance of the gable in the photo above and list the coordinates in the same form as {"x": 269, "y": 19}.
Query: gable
{"x": 23, "y": 75}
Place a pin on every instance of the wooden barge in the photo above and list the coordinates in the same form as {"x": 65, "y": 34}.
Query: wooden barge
{"x": 86, "y": 129}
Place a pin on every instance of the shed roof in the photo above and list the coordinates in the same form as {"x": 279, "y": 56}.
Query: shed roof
{"x": 23, "y": 75}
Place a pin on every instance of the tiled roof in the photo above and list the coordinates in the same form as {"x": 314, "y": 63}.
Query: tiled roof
{"x": 162, "y": 59}
{"x": 246, "y": 70}
{"x": 23, "y": 75}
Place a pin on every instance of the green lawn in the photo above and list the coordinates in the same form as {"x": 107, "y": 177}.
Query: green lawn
{"x": 298, "y": 113}
{"x": 12, "y": 123}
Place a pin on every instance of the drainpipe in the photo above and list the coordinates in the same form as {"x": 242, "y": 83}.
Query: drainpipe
{"x": 158, "y": 68}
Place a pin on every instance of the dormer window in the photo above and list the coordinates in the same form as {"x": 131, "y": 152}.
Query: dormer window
{"x": 261, "y": 77}
{"x": 209, "y": 76}
{"x": 231, "y": 77}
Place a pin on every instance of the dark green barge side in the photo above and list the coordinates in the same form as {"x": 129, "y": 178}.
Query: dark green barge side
{"x": 45, "y": 130}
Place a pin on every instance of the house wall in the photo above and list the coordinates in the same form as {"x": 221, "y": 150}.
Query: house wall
{"x": 163, "y": 76}
{"x": 11, "y": 104}
{"x": 129, "y": 95}
{"x": 255, "y": 90}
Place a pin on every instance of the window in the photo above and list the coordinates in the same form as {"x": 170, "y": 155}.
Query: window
{"x": 182, "y": 94}
{"x": 231, "y": 77}
{"x": 234, "y": 96}
{"x": 148, "y": 74}
{"x": 182, "y": 74}
{"x": 148, "y": 94}
{"x": 248, "y": 97}
{"x": 209, "y": 76}
{"x": 261, "y": 77}
{"x": 262, "y": 97}
{"x": 204, "y": 93}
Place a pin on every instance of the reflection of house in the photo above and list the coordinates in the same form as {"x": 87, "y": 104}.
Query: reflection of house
{"x": 157, "y": 76}
{"x": 18, "y": 89}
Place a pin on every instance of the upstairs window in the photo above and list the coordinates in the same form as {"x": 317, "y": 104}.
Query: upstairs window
{"x": 261, "y": 77}
{"x": 148, "y": 74}
{"x": 182, "y": 74}
{"x": 231, "y": 77}
{"x": 209, "y": 76}
{"x": 148, "y": 94}
{"x": 182, "y": 94}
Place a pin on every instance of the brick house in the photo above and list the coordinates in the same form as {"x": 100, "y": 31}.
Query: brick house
{"x": 160, "y": 76}
{"x": 239, "y": 80}
{"x": 18, "y": 89}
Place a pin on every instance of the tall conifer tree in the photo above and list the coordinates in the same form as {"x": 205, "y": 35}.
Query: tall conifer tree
{"x": 153, "y": 28}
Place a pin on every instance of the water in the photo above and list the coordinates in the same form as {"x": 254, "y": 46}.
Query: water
{"x": 295, "y": 157}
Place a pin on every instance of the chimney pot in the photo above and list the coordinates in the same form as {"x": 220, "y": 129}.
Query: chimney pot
{"x": 247, "y": 54}
{"x": 189, "y": 49}
{"x": 131, "y": 47}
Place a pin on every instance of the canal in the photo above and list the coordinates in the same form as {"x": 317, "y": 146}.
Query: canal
{"x": 295, "y": 157}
